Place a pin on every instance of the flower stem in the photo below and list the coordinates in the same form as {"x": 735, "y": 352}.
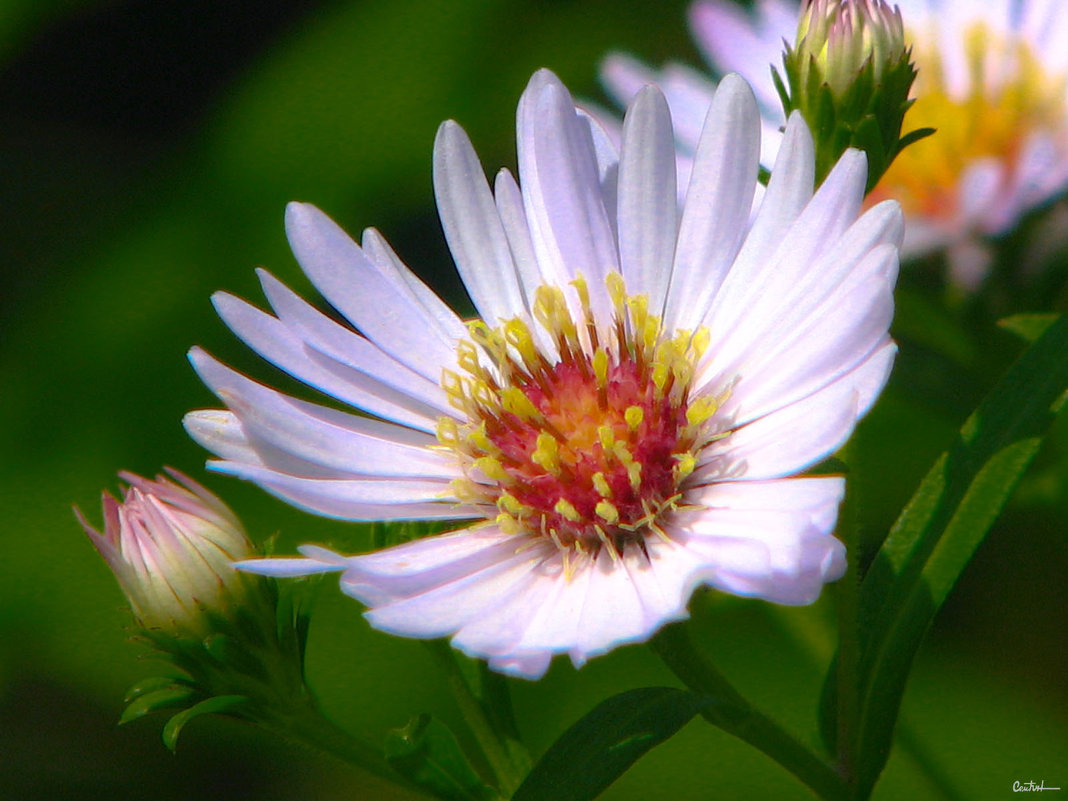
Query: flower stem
{"x": 738, "y": 717}
{"x": 509, "y": 774}
{"x": 304, "y": 724}
{"x": 848, "y": 591}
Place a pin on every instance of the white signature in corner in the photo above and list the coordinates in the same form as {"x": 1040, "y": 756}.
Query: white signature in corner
{"x": 1031, "y": 787}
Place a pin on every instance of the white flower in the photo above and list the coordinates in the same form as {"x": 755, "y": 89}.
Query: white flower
{"x": 993, "y": 81}
{"x": 171, "y": 545}
{"x": 622, "y": 422}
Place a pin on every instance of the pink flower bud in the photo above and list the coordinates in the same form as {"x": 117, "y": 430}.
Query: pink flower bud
{"x": 170, "y": 546}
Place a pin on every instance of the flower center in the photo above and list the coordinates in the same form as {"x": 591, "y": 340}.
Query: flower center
{"x": 588, "y": 446}
{"x": 1010, "y": 96}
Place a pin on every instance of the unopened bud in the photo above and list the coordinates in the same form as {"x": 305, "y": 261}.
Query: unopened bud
{"x": 170, "y": 544}
{"x": 849, "y": 74}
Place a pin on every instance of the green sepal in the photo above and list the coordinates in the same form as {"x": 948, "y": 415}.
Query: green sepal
{"x": 426, "y": 752}
{"x": 597, "y": 750}
{"x": 173, "y": 696}
{"x": 153, "y": 683}
{"x": 220, "y": 703}
{"x": 912, "y": 137}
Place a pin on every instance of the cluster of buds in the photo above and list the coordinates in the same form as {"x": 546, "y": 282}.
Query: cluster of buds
{"x": 849, "y": 73}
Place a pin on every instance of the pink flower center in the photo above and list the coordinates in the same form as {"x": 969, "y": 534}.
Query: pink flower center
{"x": 589, "y": 446}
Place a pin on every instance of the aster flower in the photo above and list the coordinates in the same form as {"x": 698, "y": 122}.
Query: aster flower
{"x": 622, "y": 423}
{"x": 171, "y": 544}
{"x": 992, "y": 80}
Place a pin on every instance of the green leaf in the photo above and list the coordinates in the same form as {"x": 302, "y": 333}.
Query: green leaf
{"x": 598, "y": 749}
{"x": 171, "y": 696}
{"x": 426, "y": 752}
{"x": 1028, "y": 327}
{"x": 220, "y": 703}
{"x": 941, "y": 527}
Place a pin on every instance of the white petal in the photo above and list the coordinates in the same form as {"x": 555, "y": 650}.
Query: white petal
{"x": 509, "y": 202}
{"x": 799, "y": 359}
{"x": 718, "y": 203}
{"x": 789, "y": 440}
{"x": 473, "y": 228}
{"x": 789, "y": 190}
{"x": 349, "y": 499}
{"x": 286, "y": 568}
{"x": 386, "y": 388}
{"x": 448, "y": 607}
{"x": 559, "y": 175}
{"x": 648, "y": 198}
{"x": 811, "y": 256}
{"x": 344, "y": 443}
{"x": 384, "y": 310}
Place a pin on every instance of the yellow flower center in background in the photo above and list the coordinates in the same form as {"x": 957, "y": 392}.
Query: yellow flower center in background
{"x": 1011, "y": 96}
{"x": 587, "y": 447}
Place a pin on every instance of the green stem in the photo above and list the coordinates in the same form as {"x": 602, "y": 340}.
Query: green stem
{"x": 911, "y": 743}
{"x": 848, "y": 678}
{"x": 738, "y": 717}
{"x": 508, "y": 774}
{"x": 303, "y": 723}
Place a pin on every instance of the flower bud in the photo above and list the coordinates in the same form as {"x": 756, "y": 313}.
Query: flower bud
{"x": 170, "y": 546}
{"x": 849, "y": 73}
{"x": 837, "y": 39}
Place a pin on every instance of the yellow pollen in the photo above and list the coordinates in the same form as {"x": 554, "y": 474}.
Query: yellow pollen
{"x": 607, "y": 437}
{"x": 600, "y": 483}
{"x": 510, "y": 504}
{"x": 634, "y": 416}
{"x": 514, "y": 400}
{"x": 701, "y": 409}
{"x": 607, "y": 512}
{"x": 684, "y": 464}
{"x": 547, "y": 454}
{"x": 564, "y": 507}
{"x": 634, "y": 473}
{"x": 492, "y": 469}
{"x": 600, "y": 366}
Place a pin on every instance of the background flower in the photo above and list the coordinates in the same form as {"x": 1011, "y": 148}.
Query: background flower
{"x": 993, "y": 79}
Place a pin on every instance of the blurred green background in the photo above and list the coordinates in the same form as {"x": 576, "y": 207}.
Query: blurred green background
{"x": 148, "y": 149}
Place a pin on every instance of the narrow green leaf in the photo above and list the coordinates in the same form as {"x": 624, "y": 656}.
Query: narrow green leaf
{"x": 941, "y": 527}
{"x": 426, "y": 752}
{"x": 598, "y": 749}
{"x": 1028, "y": 327}
{"x": 220, "y": 703}
{"x": 170, "y": 696}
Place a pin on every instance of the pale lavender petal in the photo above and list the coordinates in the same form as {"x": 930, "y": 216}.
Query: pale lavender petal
{"x": 648, "y": 198}
{"x": 559, "y": 175}
{"x": 799, "y": 435}
{"x": 473, "y": 228}
{"x": 345, "y": 443}
{"x": 337, "y": 352}
{"x": 383, "y": 310}
{"x": 718, "y": 203}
